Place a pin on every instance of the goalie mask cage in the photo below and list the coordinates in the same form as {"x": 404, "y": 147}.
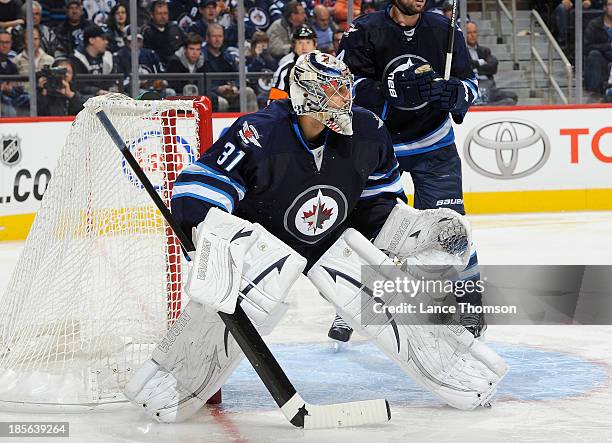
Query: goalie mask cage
{"x": 99, "y": 280}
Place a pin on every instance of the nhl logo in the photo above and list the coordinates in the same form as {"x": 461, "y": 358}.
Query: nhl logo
{"x": 11, "y": 150}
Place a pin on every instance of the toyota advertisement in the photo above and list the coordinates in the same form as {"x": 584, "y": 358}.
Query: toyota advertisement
{"x": 536, "y": 150}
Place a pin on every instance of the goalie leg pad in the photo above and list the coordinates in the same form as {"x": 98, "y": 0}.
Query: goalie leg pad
{"x": 438, "y": 357}
{"x": 198, "y": 354}
{"x": 187, "y": 367}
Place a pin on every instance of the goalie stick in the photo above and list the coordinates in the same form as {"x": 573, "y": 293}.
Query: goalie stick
{"x": 297, "y": 411}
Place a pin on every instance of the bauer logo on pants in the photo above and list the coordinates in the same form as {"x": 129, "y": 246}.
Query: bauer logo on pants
{"x": 506, "y": 149}
{"x": 315, "y": 212}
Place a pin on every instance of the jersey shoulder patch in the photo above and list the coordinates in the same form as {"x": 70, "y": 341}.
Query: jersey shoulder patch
{"x": 252, "y": 131}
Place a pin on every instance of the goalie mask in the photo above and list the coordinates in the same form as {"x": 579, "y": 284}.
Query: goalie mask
{"x": 321, "y": 88}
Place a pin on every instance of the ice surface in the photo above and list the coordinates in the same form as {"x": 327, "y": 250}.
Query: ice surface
{"x": 559, "y": 386}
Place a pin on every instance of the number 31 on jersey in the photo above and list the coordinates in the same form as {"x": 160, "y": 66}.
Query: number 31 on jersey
{"x": 230, "y": 157}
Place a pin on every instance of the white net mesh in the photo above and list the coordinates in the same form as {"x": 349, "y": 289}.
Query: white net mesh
{"x": 98, "y": 281}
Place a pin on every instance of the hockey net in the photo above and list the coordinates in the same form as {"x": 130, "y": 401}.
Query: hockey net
{"x": 99, "y": 279}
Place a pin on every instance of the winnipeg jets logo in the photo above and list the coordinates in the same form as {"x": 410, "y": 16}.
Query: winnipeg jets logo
{"x": 318, "y": 216}
{"x": 249, "y": 134}
{"x": 315, "y": 213}
{"x": 399, "y": 64}
{"x": 258, "y": 17}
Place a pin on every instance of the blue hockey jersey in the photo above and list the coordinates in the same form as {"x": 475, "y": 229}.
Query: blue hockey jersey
{"x": 263, "y": 170}
{"x": 375, "y": 46}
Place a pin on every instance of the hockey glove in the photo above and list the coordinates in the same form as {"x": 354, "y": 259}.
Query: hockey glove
{"x": 454, "y": 96}
{"x": 413, "y": 87}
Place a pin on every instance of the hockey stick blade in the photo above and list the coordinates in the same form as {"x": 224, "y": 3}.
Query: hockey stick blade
{"x": 338, "y": 415}
{"x": 298, "y": 412}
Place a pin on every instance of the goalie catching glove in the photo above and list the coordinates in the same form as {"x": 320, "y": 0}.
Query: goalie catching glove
{"x": 198, "y": 354}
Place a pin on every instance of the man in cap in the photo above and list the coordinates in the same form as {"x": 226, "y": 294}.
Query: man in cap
{"x": 208, "y": 14}
{"x": 93, "y": 58}
{"x": 70, "y": 32}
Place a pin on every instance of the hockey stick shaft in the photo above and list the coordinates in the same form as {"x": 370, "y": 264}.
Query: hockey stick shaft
{"x": 450, "y": 44}
{"x": 247, "y": 337}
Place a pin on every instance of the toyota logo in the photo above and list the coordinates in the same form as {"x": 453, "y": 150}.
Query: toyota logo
{"x": 492, "y": 148}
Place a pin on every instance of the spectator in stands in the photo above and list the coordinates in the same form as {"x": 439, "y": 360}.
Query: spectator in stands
{"x": 281, "y": 30}
{"x": 160, "y": 35}
{"x": 118, "y": 20}
{"x": 598, "y": 46}
{"x": 6, "y": 42}
{"x": 341, "y": 12}
{"x": 322, "y": 27}
{"x": 41, "y": 58}
{"x": 337, "y": 37}
{"x": 187, "y": 60}
{"x": 179, "y": 9}
{"x": 48, "y": 41}
{"x": 230, "y": 23}
{"x": 70, "y": 32}
{"x": 562, "y": 18}
{"x": 225, "y": 93}
{"x": 303, "y": 41}
{"x": 59, "y": 97}
{"x": 148, "y": 62}
{"x": 11, "y": 13}
{"x": 97, "y": 11}
{"x": 9, "y": 90}
{"x": 208, "y": 14}
{"x": 367, "y": 7}
{"x": 260, "y": 60}
{"x": 94, "y": 59}
{"x": 484, "y": 65}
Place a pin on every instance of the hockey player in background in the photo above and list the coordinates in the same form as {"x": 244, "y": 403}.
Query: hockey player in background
{"x": 398, "y": 57}
{"x": 304, "y": 184}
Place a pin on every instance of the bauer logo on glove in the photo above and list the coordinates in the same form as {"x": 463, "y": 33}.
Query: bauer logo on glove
{"x": 411, "y": 84}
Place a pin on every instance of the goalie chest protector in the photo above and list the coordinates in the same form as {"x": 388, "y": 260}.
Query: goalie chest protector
{"x": 263, "y": 170}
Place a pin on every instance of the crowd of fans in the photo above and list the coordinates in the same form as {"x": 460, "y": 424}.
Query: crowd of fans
{"x": 201, "y": 36}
